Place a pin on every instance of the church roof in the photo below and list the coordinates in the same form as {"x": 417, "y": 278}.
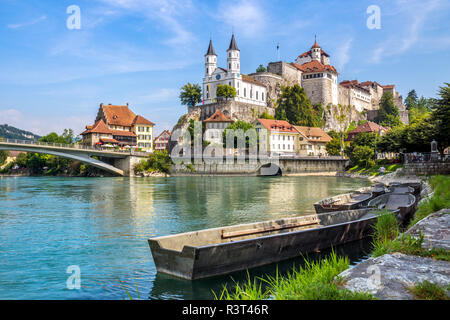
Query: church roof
{"x": 314, "y": 66}
{"x": 211, "y": 51}
{"x": 233, "y": 45}
{"x": 218, "y": 116}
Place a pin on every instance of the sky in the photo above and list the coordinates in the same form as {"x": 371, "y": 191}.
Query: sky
{"x": 54, "y": 76}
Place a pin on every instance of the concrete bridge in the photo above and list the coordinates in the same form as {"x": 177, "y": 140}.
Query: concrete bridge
{"x": 119, "y": 162}
{"x": 282, "y": 165}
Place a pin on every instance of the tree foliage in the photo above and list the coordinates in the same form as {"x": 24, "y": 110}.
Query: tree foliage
{"x": 388, "y": 115}
{"x": 441, "y": 117}
{"x": 3, "y": 156}
{"x": 225, "y": 91}
{"x": 237, "y": 125}
{"x": 294, "y": 106}
{"x": 261, "y": 68}
{"x": 265, "y": 115}
{"x": 159, "y": 161}
{"x": 191, "y": 94}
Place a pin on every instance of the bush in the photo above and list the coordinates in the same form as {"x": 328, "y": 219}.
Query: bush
{"x": 362, "y": 156}
{"x": 158, "y": 161}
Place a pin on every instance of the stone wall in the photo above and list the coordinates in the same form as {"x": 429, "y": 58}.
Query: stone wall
{"x": 428, "y": 168}
{"x": 235, "y": 110}
{"x": 298, "y": 165}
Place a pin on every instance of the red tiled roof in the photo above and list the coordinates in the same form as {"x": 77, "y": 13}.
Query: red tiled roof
{"x": 277, "y": 125}
{"x": 308, "y": 53}
{"x": 218, "y": 116}
{"x": 353, "y": 84}
{"x": 99, "y": 127}
{"x": 118, "y": 115}
{"x": 315, "y": 45}
{"x": 388, "y": 86}
{"x": 123, "y": 133}
{"x": 106, "y": 140}
{"x": 314, "y": 66}
{"x": 310, "y": 132}
{"x": 249, "y": 79}
{"x": 141, "y": 120}
{"x": 162, "y": 133}
{"x": 368, "y": 126}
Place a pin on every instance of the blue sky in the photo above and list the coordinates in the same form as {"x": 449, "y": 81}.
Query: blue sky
{"x": 143, "y": 51}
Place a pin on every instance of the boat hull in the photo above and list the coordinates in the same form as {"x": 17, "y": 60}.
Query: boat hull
{"x": 218, "y": 259}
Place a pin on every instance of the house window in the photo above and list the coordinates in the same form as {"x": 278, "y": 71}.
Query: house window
{"x": 262, "y": 96}
{"x": 245, "y": 92}
{"x": 256, "y": 95}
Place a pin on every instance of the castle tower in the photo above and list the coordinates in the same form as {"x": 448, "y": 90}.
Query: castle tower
{"x": 315, "y": 51}
{"x": 210, "y": 60}
{"x": 233, "y": 57}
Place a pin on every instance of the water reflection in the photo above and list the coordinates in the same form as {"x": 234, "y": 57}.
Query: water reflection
{"x": 102, "y": 225}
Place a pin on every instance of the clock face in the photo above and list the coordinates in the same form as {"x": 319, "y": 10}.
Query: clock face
{"x": 218, "y": 77}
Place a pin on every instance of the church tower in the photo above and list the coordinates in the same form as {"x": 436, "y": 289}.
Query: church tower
{"x": 210, "y": 60}
{"x": 233, "y": 58}
{"x": 315, "y": 51}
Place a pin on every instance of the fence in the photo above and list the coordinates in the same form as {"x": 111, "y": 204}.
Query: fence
{"x": 76, "y": 146}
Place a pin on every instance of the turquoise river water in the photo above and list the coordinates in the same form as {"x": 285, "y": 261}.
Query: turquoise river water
{"x": 101, "y": 226}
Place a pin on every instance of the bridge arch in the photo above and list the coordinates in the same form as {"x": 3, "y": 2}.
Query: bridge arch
{"x": 82, "y": 157}
{"x": 269, "y": 169}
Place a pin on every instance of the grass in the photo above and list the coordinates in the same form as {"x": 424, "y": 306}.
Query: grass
{"x": 374, "y": 170}
{"x": 429, "y": 291}
{"x": 316, "y": 280}
{"x": 386, "y": 239}
{"x": 440, "y": 199}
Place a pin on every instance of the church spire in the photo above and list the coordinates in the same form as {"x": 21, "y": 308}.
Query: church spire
{"x": 211, "y": 51}
{"x": 233, "y": 45}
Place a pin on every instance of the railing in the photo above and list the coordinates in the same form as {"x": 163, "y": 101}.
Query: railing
{"x": 424, "y": 157}
{"x": 74, "y": 146}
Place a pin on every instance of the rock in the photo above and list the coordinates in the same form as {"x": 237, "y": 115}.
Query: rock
{"x": 388, "y": 277}
{"x": 435, "y": 229}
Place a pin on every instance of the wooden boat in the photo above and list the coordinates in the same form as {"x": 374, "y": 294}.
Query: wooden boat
{"x": 401, "y": 189}
{"x": 349, "y": 201}
{"x": 402, "y": 204}
{"x": 416, "y": 186}
{"x": 217, "y": 251}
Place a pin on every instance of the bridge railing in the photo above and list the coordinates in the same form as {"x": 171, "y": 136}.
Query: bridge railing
{"x": 73, "y": 146}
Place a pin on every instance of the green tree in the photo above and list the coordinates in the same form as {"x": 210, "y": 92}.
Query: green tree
{"x": 411, "y": 100}
{"x": 190, "y": 94}
{"x": 333, "y": 147}
{"x": 362, "y": 156}
{"x": 239, "y": 124}
{"x": 261, "y": 68}
{"x": 293, "y": 106}
{"x": 3, "y": 156}
{"x": 265, "y": 115}
{"x": 441, "y": 118}
{"x": 225, "y": 91}
{"x": 388, "y": 114}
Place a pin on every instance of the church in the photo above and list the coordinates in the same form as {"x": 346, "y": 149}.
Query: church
{"x": 258, "y": 92}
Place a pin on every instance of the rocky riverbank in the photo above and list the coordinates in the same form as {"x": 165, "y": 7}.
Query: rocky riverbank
{"x": 393, "y": 276}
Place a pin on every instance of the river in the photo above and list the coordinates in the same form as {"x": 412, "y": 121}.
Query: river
{"x": 100, "y": 227}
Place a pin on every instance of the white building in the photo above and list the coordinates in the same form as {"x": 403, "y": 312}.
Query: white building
{"x": 248, "y": 90}
{"x": 215, "y": 126}
{"x": 281, "y": 136}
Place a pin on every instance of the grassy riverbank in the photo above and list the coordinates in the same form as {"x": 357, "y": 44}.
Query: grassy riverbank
{"x": 319, "y": 280}
{"x": 374, "y": 170}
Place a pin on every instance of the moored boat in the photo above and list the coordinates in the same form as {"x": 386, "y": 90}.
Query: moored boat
{"x": 349, "y": 201}
{"x": 212, "y": 252}
{"x": 416, "y": 186}
{"x": 402, "y": 204}
{"x": 401, "y": 189}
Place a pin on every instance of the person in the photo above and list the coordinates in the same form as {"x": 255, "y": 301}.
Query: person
{"x": 382, "y": 170}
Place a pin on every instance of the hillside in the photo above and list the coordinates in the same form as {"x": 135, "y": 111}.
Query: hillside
{"x": 9, "y": 132}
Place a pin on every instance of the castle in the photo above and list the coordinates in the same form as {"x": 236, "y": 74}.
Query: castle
{"x": 258, "y": 92}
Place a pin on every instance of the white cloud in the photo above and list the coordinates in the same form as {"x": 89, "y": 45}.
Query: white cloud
{"x": 245, "y": 16}
{"x": 412, "y": 17}
{"x": 26, "y": 24}
{"x": 342, "y": 54}
{"x": 172, "y": 14}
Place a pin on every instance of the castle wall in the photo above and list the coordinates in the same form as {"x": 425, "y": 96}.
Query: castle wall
{"x": 235, "y": 110}
{"x": 289, "y": 73}
{"x": 318, "y": 90}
